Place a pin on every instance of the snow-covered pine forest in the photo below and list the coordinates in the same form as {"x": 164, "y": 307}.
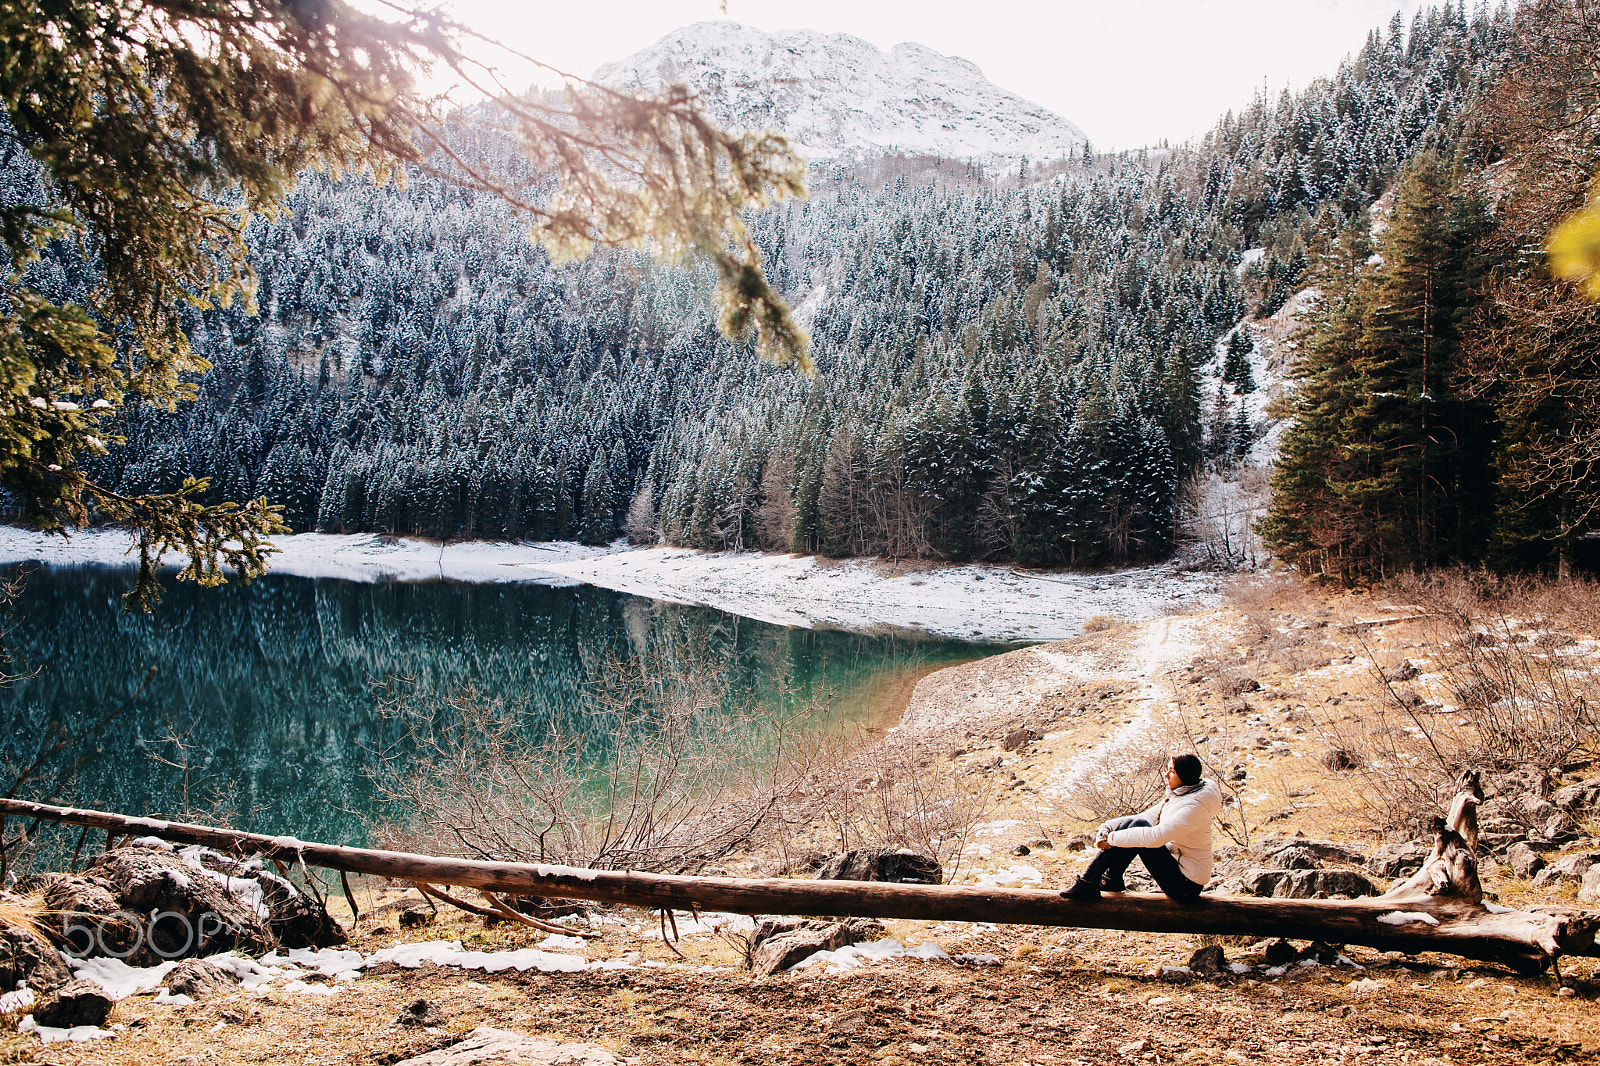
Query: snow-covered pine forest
{"x": 1010, "y": 366}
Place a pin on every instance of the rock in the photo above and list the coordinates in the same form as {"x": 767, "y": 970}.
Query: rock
{"x": 1021, "y": 849}
{"x": 1589, "y": 888}
{"x": 1040, "y": 842}
{"x": 1324, "y": 884}
{"x": 1560, "y": 827}
{"x": 1302, "y": 854}
{"x": 1406, "y": 671}
{"x": 25, "y": 959}
{"x": 1208, "y": 960}
{"x": 421, "y": 1012}
{"x": 786, "y": 944}
{"x": 296, "y": 919}
{"x": 85, "y": 908}
{"x": 1294, "y": 858}
{"x": 1018, "y": 739}
{"x": 1525, "y": 862}
{"x": 1398, "y": 859}
{"x": 417, "y": 916}
{"x": 485, "y": 1046}
{"x": 198, "y": 978}
{"x": 1571, "y": 869}
{"x": 1511, "y": 783}
{"x": 1579, "y": 797}
{"x": 1322, "y": 952}
{"x": 1262, "y": 883}
{"x": 78, "y": 1002}
{"x": 198, "y": 915}
{"x": 1079, "y": 841}
{"x": 882, "y": 864}
{"x": 1280, "y": 953}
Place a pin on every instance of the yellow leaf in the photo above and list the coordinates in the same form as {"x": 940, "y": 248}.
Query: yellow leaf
{"x": 1574, "y": 249}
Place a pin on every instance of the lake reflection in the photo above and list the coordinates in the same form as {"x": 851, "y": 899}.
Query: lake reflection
{"x": 264, "y": 701}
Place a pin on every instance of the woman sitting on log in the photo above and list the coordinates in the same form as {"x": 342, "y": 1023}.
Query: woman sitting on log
{"x": 1173, "y": 838}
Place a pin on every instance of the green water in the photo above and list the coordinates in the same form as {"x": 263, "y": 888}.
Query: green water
{"x": 264, "y": 704}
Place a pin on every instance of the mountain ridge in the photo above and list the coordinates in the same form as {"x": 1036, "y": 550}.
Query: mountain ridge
{"x": 841, "y": 99}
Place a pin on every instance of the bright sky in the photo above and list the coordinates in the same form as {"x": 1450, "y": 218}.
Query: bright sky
{"x": 1128, "y": 72}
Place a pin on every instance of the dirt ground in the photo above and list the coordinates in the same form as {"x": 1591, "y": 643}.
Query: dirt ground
{"x": 1267, "y": 686}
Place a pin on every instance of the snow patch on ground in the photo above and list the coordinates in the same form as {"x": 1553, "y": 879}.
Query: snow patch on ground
{"x": 973, "y": 602}
{"x": 854, "y": 956}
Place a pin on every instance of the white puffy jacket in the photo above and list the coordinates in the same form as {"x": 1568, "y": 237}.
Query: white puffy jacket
{"x": 1183, "y": 825}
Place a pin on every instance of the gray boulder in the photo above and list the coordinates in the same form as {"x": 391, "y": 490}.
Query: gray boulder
{"x": 1579, "y": 797}
{"x": 1570, "y": 869}
{"x": 197, "y": 979}
{"x": 147, "y": 904}
{"x": 1560, "y": 828}
{"x": 1307, "y": 884}
{"x": 198, "y": 915}
{"x": 26, "y": 959}
{"x": 779, "y": 943}
{"x": 1589, "y": 888}
{"x": 1310, "y": 855}
{"x": 1263, "y": 883}
{"x": 899, "y": 865}
{"x": 1324, "y": 884}
{"x": 1524, "y": 861}
{"x": 78, "y": 1002}
{"x": 486, "y": 1046}
{"x": 1398, "y": 860}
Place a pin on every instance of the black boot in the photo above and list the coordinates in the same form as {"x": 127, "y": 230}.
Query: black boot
{"x": 1082, "y": 888}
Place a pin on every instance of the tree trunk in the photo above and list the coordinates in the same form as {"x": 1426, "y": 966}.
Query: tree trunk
{"x": 1526, "y": 941}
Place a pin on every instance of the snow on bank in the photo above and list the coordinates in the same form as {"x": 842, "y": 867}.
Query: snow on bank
{"x": 352, "y": 557}
{"x": 978, "y": 603}
{"x": 974, "y": 602}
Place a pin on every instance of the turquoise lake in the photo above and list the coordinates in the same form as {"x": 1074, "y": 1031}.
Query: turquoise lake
{"x": 264, "y": 701}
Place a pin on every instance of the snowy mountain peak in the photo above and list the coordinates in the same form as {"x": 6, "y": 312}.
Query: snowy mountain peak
{"x": 840, "y": 98}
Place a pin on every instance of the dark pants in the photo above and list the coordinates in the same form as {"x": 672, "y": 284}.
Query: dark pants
{"x": 1161, "y": 863}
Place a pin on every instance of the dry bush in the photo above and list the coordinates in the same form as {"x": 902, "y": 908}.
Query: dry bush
{"x": 1100, "y": 623}
{"x": 666, "y": 772}
{"x": 1126, "y": 784}
{"x": 887, "y": 795}
{"x": 1263, "y": 597}
{"x": 1515, "y": 689}
{"x": 1527, "y": 691}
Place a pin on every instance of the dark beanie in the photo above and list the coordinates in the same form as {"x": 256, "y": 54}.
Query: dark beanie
{"x": 1188, "y": 768}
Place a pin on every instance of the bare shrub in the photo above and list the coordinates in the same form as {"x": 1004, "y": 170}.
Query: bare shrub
{"x": 1526, "y": 689}
{"x": 1219, "y": 510}
{"x": 1126, "y": 785}
{"x": 1100, "y": 623}
{"x": 889, "y": 795}
{"x": 666, "y": 771}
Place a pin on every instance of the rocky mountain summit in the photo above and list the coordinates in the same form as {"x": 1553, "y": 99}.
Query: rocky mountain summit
{"x": 840, "y": 98}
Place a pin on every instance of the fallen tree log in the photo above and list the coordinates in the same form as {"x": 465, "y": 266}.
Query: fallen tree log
{"x": 1527, "y": 941}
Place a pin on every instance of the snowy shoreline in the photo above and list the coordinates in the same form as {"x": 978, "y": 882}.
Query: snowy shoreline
{"x": 972, "y": 602}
